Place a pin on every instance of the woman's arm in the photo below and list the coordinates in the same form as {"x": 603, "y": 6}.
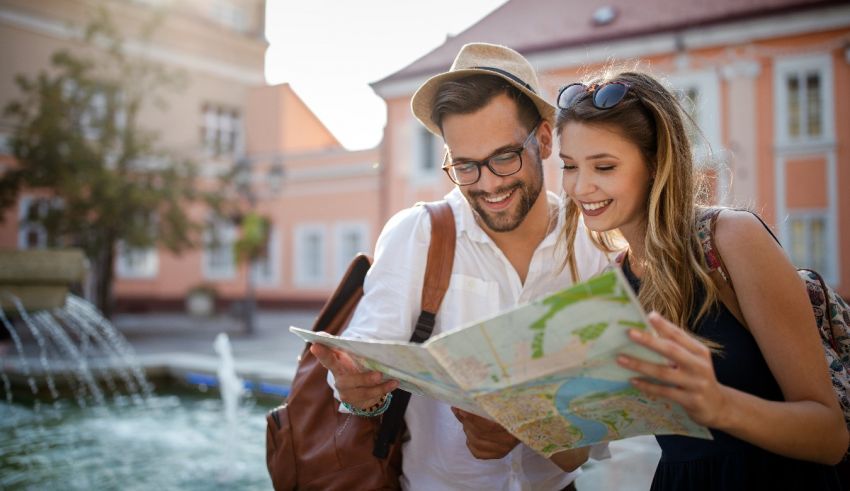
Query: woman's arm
{"x": 809, "y": 425}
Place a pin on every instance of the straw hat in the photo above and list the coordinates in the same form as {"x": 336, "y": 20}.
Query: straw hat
{"x": 482, "y": 58}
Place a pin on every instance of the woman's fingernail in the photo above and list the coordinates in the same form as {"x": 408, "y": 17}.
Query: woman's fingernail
{"x": 622, "y": 360}
{"x": 635, "y": 334}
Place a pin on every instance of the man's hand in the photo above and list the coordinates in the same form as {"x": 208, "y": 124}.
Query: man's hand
{"x": 359, "y": 389}
{"x": 570, "y": 460}
{"x": 484, "y": 438}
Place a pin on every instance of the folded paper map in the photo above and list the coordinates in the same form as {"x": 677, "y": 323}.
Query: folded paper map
{"x": 546, "y": 371}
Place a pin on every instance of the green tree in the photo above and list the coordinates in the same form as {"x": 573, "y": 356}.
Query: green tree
{"x": 76, "y": 134}
{"x": 248, "y": 249}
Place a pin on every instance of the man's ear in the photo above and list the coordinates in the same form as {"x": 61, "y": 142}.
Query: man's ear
{"x": 544, "y": 139}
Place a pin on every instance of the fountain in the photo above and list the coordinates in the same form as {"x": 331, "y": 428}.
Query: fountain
{"x": 77, "y": 410}
{"x": 230, "y": 386}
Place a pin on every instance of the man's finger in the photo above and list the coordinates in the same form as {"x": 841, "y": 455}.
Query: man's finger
{"x": 476, "y": 421}
{"x": 338, "y": 362}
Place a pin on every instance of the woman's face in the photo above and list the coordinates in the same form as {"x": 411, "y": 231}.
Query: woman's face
{"x": 606, "y": 176}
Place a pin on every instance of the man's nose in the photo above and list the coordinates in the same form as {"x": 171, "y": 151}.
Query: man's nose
{"x": 489, "y": 180}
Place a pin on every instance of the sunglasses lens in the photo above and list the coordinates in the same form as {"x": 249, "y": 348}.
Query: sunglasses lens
{"x": 609, "y": 95}
{"x": 569, "y": 94}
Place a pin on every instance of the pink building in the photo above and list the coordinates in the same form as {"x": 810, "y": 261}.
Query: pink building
{"x": 323, "y": 200}
{"x": 768, "y": 81}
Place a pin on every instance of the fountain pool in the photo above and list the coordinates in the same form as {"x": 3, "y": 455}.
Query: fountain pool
{"x": 77, "y": 412}
{"x": 174, "y": 440}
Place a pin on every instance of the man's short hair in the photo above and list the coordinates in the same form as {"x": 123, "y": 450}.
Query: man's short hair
{"x": 469, "y": 94}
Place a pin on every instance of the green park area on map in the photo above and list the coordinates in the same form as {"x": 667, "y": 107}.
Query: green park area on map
{"x": 546, "y": 371}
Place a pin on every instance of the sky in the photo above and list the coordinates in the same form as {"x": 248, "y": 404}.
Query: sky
{"x": 330, "y": 50}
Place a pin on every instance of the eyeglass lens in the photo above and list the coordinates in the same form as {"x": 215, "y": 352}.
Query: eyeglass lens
{"x": 569, "y": 93}
{"x": 604, "y": 97}
{"x": 609, "y": 95}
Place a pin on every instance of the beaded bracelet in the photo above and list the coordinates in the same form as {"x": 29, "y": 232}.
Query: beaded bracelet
{"x": 377, "y": 409}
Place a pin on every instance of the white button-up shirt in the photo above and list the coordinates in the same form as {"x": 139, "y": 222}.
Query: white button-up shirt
{"x": 483, "y": 282}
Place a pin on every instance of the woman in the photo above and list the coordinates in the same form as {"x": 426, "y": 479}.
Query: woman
{"x": 763, "y": 390}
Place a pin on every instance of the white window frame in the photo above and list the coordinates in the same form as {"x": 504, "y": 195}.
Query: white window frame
{"x": 707, "y": 84}
{"x": 420, "y": 137}
{"x": 24, "y": 227}
{"x": 217, "y": 123}
{"x": 828, "y": 272}
{"x": 136, "y": 263}
{"x": 788, "y": 148}
{"x": 801, "y": 65}
{"x": 342, "y": 258}
{"x": 230, "y": 14}
{"x": 302, "y": 277}
{"x": 273, "y": 254}
{"x": 227, "y": 236}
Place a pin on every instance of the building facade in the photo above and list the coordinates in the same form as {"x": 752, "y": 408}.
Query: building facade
{"x": 767, "y": 81}
{"x": 320, "y": 198}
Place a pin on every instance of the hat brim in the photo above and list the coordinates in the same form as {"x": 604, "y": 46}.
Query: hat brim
{"x": 422, "y": 102}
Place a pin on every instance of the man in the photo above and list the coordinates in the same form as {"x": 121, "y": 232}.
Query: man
{"x": 497, "y": 130}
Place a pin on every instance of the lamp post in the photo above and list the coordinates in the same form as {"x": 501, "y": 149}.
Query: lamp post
{"x": 246, "y": 248}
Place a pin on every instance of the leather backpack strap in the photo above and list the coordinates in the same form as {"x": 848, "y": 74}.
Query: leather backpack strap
{"x": 438, "y": 273}
{"x": 438, "y": 269}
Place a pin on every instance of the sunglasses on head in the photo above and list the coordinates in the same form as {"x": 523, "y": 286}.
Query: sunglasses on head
{"x": 605, "y": 96}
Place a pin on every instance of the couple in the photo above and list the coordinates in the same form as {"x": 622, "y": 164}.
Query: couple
{"x": 763, "y": 389}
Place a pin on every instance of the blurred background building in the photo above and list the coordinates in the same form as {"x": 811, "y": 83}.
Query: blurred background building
{"x": 768, "y": 81}
{"x": 319, "y": 197}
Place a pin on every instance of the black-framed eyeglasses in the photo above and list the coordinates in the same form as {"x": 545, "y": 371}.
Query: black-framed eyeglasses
{"x": 504, "y": 163}
{"x": 605, "y": 96}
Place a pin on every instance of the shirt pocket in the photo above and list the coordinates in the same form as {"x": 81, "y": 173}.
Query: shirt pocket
{"x": 468, "y": 299}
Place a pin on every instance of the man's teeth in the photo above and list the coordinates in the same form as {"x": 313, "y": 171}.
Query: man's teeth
{"x": 497, "y": 198}
{"x": 595, "y": 206}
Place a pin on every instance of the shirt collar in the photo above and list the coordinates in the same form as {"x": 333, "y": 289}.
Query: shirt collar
{"x": 466, "y": 223}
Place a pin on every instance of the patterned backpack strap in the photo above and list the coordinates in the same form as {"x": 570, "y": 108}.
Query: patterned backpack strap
{"x": 716, "y": 267}
{"x": 705, "y": 232}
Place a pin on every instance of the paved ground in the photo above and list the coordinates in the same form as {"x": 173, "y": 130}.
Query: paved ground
{"x": 183, "y": 345}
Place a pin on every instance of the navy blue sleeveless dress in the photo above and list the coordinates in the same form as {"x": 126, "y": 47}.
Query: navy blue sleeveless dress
{"x": 727, "y": 463}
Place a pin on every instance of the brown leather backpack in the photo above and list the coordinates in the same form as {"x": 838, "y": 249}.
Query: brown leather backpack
{"x": 309, "y": 443}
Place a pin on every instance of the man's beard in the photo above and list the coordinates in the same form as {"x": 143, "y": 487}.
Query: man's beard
{"x": 506, "y": 221}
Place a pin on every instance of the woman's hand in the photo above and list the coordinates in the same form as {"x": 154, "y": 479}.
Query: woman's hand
{"x": 688, "y": 377}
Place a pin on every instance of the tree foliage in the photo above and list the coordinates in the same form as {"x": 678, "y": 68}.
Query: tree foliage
{"x": 76, "y": 134}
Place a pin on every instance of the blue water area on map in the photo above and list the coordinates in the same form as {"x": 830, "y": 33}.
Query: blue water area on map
{"x": 592, "y": 431}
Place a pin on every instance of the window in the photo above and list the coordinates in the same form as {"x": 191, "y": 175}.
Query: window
{"x": 31, "y": 233}
{"x": 310, "y": 255}
{"x": 350, "y": 239}
{"x": 699, "y": 95}
{"x": 218, "y": 259}
{"x": 221, "y": 130}
{"x": 138, "y": 262}
{"x": 101, "y": 104}
{"x": 134, "y": 262}
{"x": 266, "y": 269}
{"x": 228, "y": 14}
{"x": 808, "y": 239}
{"x": 803, "y": 99}
{"x": 426, "y": 156}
